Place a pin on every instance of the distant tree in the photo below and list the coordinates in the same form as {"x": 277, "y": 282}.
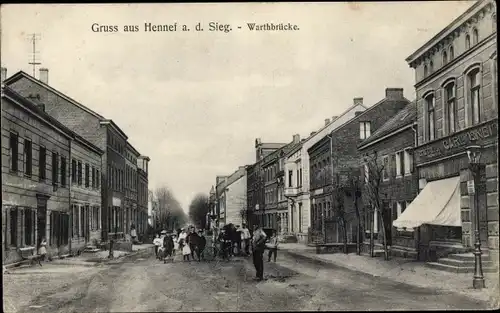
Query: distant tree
{"x": 198, "y": 210}
{"x": 373, "y": 179}
{"x": 170, "y": 214}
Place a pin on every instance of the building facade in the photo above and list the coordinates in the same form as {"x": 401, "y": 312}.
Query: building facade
{"x": 131, "y": 187}
{"x": 234, "y": 200}
{"x": 141, "y": 218}
{"x": 40, "y": 185}
{"x": 91, "y": 126}
{"x": 393, "y": 145}
{"x": 298, "y": 195}
{"x": 335, "y": 158}
{"x": 457, "y": 116}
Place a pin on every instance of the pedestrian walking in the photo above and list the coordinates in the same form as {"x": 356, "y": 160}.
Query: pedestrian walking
{"x": 259, "y": 245}
{"x": 202, "y": 243}
{"x": 133, "y": 233}
{"x": 245, "y": 236}
{"x": 42, "y": 251}
{"x": 168, "y": 248}
{"x": 157, "y": 243}
{"x": 176, "y": 245}
{"x": 273, "y": 246}
{"x": 192, "y": 239}
{"x": 186, "y": 251}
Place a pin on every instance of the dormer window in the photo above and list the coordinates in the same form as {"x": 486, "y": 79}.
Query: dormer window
{"x": 467, "y": 42}
{"x": 445, "y": 57}
{"x": 364, "y": 130}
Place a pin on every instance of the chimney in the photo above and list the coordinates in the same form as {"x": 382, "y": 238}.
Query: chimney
{"x": 327, "y": 121}
{"x": 44, "y": 75}
{"x": 4, "y": 74}
{"x": 394, "y": 93}
{"x": 296, "y": 138}
{"x": 358, "y": 101}
{"x": 313, "y": 133}
{"x": 334, "y": 117}
{"x": 357, "y": 113}
{"x": 257, "y": 142}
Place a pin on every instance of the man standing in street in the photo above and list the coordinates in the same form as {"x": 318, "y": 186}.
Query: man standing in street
{"x": 245, "y": 236}
{"x": 259, "y": 245}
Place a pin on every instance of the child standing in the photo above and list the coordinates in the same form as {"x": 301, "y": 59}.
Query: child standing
{"x": 186, "y": 251}
{"x": 273, "y": 247}
{"x": 157, "y": 242}
{"x": 43, "y": 249}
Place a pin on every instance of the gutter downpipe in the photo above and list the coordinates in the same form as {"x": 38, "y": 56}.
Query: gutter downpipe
{"x": 416, "y": 145}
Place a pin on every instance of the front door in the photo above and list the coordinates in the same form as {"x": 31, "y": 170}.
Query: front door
{"x": 41, "y": 218}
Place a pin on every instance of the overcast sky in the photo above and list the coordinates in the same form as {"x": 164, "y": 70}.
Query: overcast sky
{"x": 194, "y": 102}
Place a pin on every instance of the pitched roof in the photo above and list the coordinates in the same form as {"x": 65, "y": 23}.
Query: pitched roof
{"x": 32, "y": 106}
{"x": 405, "y": 117}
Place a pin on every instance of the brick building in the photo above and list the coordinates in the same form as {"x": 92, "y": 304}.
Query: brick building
{"x": 457, "y": 114}
{"x": 336, "y": 157}
{"x": 297, "y": 174}
{"x": 131, "y": 180}
{"x": 233, "y": 197}
{"x": 393, "y": 143}
{"x": 40, "y": 187}
{"x": 141, "y": 218}
{"x": 101, "y": 132}
{"x": 255, "y": 181}
{"x": 275, "y": 204}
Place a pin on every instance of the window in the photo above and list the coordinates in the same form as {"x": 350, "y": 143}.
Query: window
{"x": 475, "y": 36}
{"x": 87, "y": 175}
{"x": 97, "y": 179}
{"x": 76, "y": 220}
{"x": 451, "y": 108}
{"x": 431, "y": 67}
{"x": 400, "y": 163}
{"x": 73, "y": 172}
{"x": 425, "y": 71}
{"x": 364, "y": 130}
{"x": 408, "y": 162}
{"x": 13, "y": 226}
{"x": 474, "y": 83}
{"x": 452, "y": 53}
{"x": 366, "y": 172}
{"x": 63, "y": 172}
{"x": 93, "y": 177}
{"x": 375, "y": 221}
{"x": 300, "y": 178}
{"x": 55, "y": 168}
{"x": 28, "y": 158}
{"x": 42, "y": 163}
{"x": 431, "y": 122}
{"x": 290, "y": 177}
{"x": 467, "y": 42}
{"x": 445, "y": 57}
{"x": 29, "y": 227}
{"x": 385, "y": 173}
{"x": 59, "y": 227}
{"x": 14, "y": 151}
{"x": 79, "y": 173}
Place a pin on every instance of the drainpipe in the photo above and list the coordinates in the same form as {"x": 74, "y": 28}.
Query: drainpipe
{"x": 414, "y": 167}
{"x": 70, "y": 231}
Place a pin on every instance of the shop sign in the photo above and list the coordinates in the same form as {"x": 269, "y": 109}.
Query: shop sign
{"x": 480, "y": 134}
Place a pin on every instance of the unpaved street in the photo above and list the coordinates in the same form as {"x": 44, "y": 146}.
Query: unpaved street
{"x": 144, "y": 284}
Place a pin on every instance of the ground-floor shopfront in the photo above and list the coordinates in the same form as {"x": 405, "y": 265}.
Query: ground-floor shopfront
{"x": 458, "y": 190}
{"x": 298, "y": 218}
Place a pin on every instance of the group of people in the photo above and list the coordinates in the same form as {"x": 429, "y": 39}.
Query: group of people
{"x": 190, "y": 242}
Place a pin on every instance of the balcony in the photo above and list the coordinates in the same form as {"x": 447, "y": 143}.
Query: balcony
{"x": 292, "y": 191}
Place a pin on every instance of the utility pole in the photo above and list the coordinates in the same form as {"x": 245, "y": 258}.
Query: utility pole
{"x": 34, "y": 38}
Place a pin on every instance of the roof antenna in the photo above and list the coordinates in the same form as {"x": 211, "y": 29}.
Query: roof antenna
{"x": 34, "y": 38}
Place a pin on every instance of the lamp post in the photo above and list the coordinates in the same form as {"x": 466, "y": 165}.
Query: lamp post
{"x": 474, "y": 155}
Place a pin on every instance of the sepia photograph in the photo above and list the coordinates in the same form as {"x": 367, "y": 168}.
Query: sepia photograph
{"x": 246, "y": 156}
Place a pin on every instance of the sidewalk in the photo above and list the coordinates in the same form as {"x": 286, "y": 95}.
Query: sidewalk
{"x": 404, "y": 271}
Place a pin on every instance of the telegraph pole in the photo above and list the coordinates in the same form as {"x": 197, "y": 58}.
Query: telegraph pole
{"x": 34, "y": 38}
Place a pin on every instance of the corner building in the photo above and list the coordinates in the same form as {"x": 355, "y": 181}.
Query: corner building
{"x": 457, "y": 116}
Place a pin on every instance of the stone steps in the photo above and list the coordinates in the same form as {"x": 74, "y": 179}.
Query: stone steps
{"x": 458, "y": 269}
{"x": 464, "y": 263}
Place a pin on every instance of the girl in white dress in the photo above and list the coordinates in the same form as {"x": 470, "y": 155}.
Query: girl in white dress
{"x": 43, "y": 249}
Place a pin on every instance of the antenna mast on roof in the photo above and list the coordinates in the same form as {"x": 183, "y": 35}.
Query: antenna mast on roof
{"x": 34, "y": 38}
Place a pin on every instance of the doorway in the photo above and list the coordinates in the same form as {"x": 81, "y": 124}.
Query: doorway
{"x": 41, "y": 218}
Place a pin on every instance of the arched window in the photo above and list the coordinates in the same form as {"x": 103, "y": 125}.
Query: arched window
{"x": 445, "y": 57}
{"x": 452, "y": 53}
{"x": 467, "y": 42}
{"x": 431, "y": 67}
{"x": 475, "y": 36}
{"x": 474, "y": 95}
{"x": 451, "y": 108}
{"x": 431, "y": 117}
{"x": 425, "y": 71}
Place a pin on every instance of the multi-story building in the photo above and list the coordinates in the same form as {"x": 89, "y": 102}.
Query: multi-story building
{"x": 233, "y": 201}
{"x": 220, "y": 199}
{"x": 141, "y": 218}
{"x": 41, "y": 185}
{"x": 456, "y": 154}
{"x": 393, "y": 145}
{"x": 101, "y": 132}
{"x": 297, "y": 174}
{"x": 334, "y": 158}
{"x": 131, "y": 187}
{"x": 275, "y": 204}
